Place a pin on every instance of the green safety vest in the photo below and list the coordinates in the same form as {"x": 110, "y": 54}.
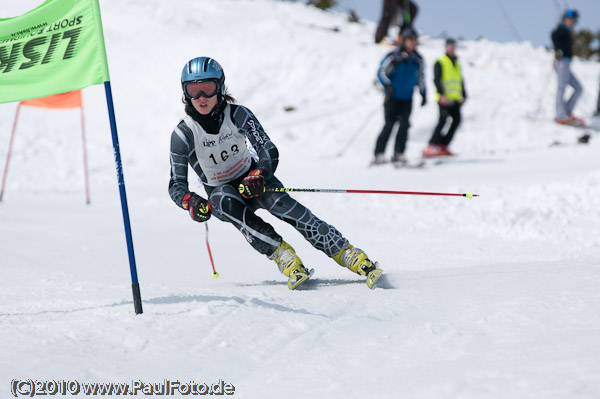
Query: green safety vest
{"x": 451, "y": 79}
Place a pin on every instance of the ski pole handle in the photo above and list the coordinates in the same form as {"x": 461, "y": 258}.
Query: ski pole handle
{"x": 327, "y": 190}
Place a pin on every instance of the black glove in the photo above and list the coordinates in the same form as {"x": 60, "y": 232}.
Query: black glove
{"x": 423, "y": 100}
{"x": 389, "y": 91}
{"x": 198, "y": 207}
{"x": 253, "y": 185}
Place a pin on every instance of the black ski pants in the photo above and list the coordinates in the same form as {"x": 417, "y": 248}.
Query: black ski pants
{"x": 452, "y": 111}
{"x": 228, "y": 205}
{"x": 394, "y": 111}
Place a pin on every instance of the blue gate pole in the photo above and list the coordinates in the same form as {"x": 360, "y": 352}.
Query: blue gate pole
{"x": 135, "y": 286}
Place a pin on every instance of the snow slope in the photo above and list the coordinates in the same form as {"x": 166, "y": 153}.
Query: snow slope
{"x": 495, "y": 297}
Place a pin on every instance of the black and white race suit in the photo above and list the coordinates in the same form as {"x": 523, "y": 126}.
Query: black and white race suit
{"x": 222, "y": 160}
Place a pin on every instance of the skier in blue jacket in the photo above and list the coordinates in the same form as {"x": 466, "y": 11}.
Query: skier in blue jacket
{"x": 400, "y": 71}
{"x": 228, "y": 149}
{"x": 562, "y": 40}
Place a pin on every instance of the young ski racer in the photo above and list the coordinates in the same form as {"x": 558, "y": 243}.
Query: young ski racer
{"x": 228, "y": 149}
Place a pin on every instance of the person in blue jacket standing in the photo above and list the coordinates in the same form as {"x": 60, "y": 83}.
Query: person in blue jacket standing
{"x": 562, "y": 40}
{"x": 400, "y": 71}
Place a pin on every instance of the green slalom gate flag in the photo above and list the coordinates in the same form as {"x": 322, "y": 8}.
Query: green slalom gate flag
{"x": 54, "y": 48}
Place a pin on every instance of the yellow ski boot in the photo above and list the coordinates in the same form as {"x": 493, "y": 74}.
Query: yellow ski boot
{"x": 358, "y": 262}
{"x": 290, "y": 265}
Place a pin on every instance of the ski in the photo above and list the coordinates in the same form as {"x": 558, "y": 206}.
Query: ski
{"x": 296, "y": 279}
{"x": 373, "y": 277}
{"x": 416, "y": 164}
{"x": 408, "y": 164}
{"x": 438, "y": 159}
{"x": 582, "y": 124}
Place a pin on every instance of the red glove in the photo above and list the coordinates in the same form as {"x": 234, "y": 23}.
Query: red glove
{"x": 253, "y": 185}
{"x": 198, "y": 207}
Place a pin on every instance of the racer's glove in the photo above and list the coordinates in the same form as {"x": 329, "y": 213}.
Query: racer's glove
{"x": 253, "y": 185}
{"x": 198, "y": 207}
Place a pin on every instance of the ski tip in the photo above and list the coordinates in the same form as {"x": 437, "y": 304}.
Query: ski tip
{"x": 298, "y": 278}
{"x": 372, "y": 277}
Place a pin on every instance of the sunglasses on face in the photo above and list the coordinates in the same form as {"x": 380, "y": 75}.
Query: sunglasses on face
{"x": 195, "y": 90}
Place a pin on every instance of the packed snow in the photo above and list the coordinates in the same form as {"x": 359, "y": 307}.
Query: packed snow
{"x": 493, "y": 297}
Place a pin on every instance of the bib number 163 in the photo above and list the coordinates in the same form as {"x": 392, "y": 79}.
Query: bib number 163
{"x": 225, "y": 154}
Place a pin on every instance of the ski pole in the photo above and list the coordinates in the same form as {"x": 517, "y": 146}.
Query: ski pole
{"x": 326, "y": 190}
{"x": 358, "y": 131}
{"x": 215, "y": 274}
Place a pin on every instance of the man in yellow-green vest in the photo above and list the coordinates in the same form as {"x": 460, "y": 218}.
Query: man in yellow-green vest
{"x": 451, "y": 95}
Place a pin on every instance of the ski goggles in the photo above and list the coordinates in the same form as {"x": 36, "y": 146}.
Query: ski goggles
{"x": 195, "y": 90}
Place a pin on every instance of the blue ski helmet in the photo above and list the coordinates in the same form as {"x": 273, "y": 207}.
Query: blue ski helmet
{"x": 203, "y": 68}
{"x": 571, "y": 14}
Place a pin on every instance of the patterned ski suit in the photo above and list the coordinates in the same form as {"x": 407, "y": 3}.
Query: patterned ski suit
{"x": 222, "y": 160}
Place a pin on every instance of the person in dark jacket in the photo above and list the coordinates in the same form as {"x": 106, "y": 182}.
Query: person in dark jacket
{"x": 562, "y": 40}
{"x": 403, "y": 10}
{"x": 235, "y": 159}
{"x": 451, "y": 95}
{"x": 400, "y": 71}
